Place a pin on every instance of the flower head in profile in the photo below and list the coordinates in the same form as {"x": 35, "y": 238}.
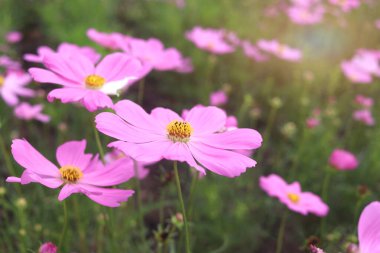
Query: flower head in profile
{"x": 9, "y": 64}
{"x": 343, "y": 160}
{"x": 369, "y": 229}
{"x": 218, "y": 98}
{"x": 364, "y": 101}
{"x": 252, "y": 51}
{"x": 85, "y": 83}
{"x": 346, "y": 5}
{"x": 108, "y": 40}
{"x": 48, "y": 247}
{"x": 65, "y": 50}
{"x": 280, "y": 50}
{"x": 196, "y": 139}
{"x": 364, "y": 116}
{"x": 12, "y": 85}
{"x": 292, "y": 196}
{"x": 26, "y": 111}
{"x": 13, "y": 37}
{"x": 211, "y": 40}
{"x": 78, "y": 172}
{"x": 306, "y": 12}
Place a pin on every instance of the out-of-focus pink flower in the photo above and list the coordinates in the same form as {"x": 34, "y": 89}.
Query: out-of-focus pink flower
{"x": 9, "y": 64}
{"x": 346, "y": 5}
{"x": 211, "y": 40}
{"x": 377, "y": 23}
{"x": 163, "y": 134}
{"x": 364, "y": 116}
{"x": 292, "y": 196}
{"x": 13, "y": 85}
{"x": 13, "y": 37}
{"x": 306, "y": 15}
{"x": 253, "y": 52}
{"x": 367, "y": 102}
{"x": 280, "y": 50}
{"x": 312, "y": 122}
{"x": 107, "y": 40}
{"x": 153, "y": 55}
{"x": 232, "y": 38}
{"x": 354, "y": 73}
{"x": 83, "y": 82}
{"x": 180, "y": 4}
{"x": 27, "y": 111}
{"x": 315, "y": 249}
{"x": 78, "y": 172}
{"x": 343, "y": 160}
{"x": 65, "y": 50}
{"x": 128, "y": 162}
{"x": 218, "y": 98}
{"x": 369, "y": 229}
{"x": 48, "y": 247}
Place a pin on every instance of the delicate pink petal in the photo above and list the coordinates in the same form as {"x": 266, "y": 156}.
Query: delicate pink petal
{"x": 94, "y": 100}
{"x": 273, "y": 185}
{"x": 117, "y": 66}
{"x": 46, "y": 76}
{"x": 164, "y": 116}
{"x": 205, "y": 120}
{"x": 369, "y": 229}
{"x": 72, "y": 153}
{"x": 67, "y": 95}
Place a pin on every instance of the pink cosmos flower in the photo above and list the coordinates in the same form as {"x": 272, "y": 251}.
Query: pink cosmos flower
{"x": 280, "y": 50}
{"x": 292, "y": 196}
{"x": 153, "y": 55}
{"x": 9, "y": 64}
{"x": 65, "y": 50}
{"x": 346, "y": 5}
{"x": 107, "y": 40}
{"x": 253, "y": 52}
{"x": 77, "y": 172}
{"x": 13, "y": 37}
{"x": 127, "y": 162}
{"x": 306, "y": 15}
{"x": 83, "y": 82}
{"x": 13, "y": 85}
{"x": 211, "y": 40}
{"x": 355, "y": 74}
{"x": 377, "y": 23}
{"x": 27, "y": 111}
{"x": 343, "y": 160}
{"x": 163, "y": 134}
{"x": 218, "y": 98}
{"x": 367, "y": 102}
{"x": 369, "y": 229}
{"x": 312, "y": 122}
{"x": 48, "y": 247}
{"x": 364, "y": 116}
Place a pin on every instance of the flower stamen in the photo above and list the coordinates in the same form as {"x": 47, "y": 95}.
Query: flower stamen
{"x": 179, "y": 131}
{"x": 70, "y": 174}
{"x": 295, "y": 198}
{"x": 94, "y": 81}
{"x": 2, "y": 79}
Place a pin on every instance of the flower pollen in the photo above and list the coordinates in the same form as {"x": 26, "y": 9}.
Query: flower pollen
{"x": 70, "y": 174}
{"x": 94, "y": 81}
{"x": 295, "y": 198}
{"x": 179, "y": 131}
{"x": 2, "y": 79}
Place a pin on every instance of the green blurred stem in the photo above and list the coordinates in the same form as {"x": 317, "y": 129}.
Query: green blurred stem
{"x": 98, "y": 142}
{"x": 357, "y": 208}
{"x": 325, "y": 188}
{"x": 178, "y": 182}
{"x": 138, "y": 194}
{"x": 140, "y": 96}
{"x": 271, "y": 118}
{"x": 64, "y": 229}
{"x": 193, "y": 187}
{"x": 281, "y": 232}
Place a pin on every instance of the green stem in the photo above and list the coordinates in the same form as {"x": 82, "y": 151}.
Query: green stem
{"x": 140, "y": 96}
{"x": 187, "y": 236}
{"x": 325, "y": 188}
{"x": 272, "y": 116}
{"x": 138, "y": 194}
{"x": 281, "y": 232}
{"x": 98, "y": 143}
{"x": 64, "y": 229}
{"x": 192, "y": 191}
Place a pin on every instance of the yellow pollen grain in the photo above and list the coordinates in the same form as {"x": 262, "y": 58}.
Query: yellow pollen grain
{"x": 179, "y": 131}
{"x": 70, "y": 174}
{"x": 2, "y": 79}
{"x": 94, "y": 81}
{"x": 295, "y": 198}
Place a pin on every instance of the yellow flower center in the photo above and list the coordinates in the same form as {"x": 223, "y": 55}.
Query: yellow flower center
{"x": 70, "y": 174}
{"x": 2, "y": 79}
{"x": 94, "y": 81}
{"x": 295, "y": 198}
{"x": 179, "y": 131}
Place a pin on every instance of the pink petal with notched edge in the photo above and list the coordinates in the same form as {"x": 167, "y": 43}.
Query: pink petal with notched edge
{"x": 273, "y": 185}
{"x": 206, "y": 120}
{"x": 30, "y": 177}
{"x": 111, "y": 197}
{"x": 369, "y": 229}
{"x": 117, "y": 66}
{"x": 67, "y": 95}
{"x": 69, "y": 189}
{"x": 32, "y": 160}
{"x": 72, "y": 153}
{"x": 94, "y": 100}
{"x": 164, "y": 116}
{"x": 46, "y": 76}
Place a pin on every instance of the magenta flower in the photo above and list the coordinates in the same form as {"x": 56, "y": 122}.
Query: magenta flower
{"x": 354, "y": 73}
{"x": 346, "y": 5}
{"x": 83, "y": 82}
{"x": 163, "y": 134}
{"x": 28, "y": 112}
{"x": 306, "y": 15}
{"x": 364, "y": 116}
{"x": 364, "y": 101}
{"x": 377, "y": 23}
{"x": 48, "y": 247}
{"x": 312, "y": 122}
{"x": 65, "y": 50}
{"x": 13, "y": 37}
{"x": 280, "y": 50}
{"x": 211, "y": 40}
{"x": 292, "y": 196}
{"x": 9, "y": 64}
{"x": 343, "y": 160}
{"x": 13, "y": 85}
{"x": 107, "y": 40}
{"x": 218, "y": 98}
{"x": 369, "y": 229}
{"x": 77, "y": 172}
{"x": 127, "y": 162}
{"x": 253, "y": 52}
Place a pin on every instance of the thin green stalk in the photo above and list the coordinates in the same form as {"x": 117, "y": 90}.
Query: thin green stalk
{"x": 325, "y": 188}
{"x": 140, "y": 95}
{"x": 192, "y": 191}
{"x": 281, "y": 232}
{"x": 138, "y": 195}
{"x": 82, "y": 235}
{"x": 64, "y": 229}
{"x": 272, "y": 116}
{"x": 98, "y": 143}
{"x": 187, "y": 236}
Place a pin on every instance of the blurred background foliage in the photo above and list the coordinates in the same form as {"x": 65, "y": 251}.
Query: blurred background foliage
{"x": 229, "y": 214}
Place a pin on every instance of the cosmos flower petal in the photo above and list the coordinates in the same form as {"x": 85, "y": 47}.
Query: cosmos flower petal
{"x": 72, "y": 153}
{"x": 369, "y": 229}
{"x": 46, "y": 76}
{"x": 206, "y": 120}
{"x": 118, "y": 66}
